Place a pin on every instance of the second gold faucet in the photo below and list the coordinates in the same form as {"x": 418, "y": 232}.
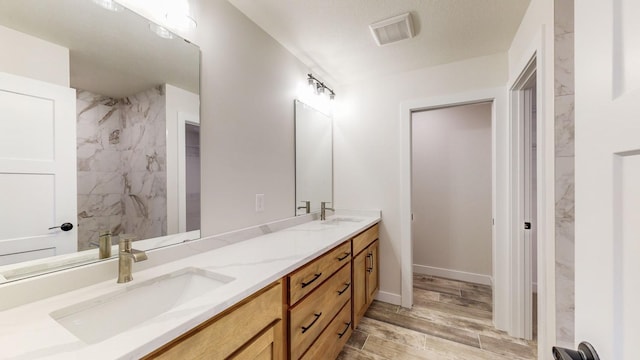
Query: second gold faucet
{"x": 126, "y": 257}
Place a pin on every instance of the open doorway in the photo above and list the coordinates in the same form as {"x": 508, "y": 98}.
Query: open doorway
{"x": 451, "y": 193}
{"x": 500, "y": 170}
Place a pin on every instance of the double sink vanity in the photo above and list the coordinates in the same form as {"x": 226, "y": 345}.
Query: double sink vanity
{"x": 287, "y": 290}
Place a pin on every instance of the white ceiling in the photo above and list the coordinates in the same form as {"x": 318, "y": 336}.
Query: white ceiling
{"x": 332, "y": 36}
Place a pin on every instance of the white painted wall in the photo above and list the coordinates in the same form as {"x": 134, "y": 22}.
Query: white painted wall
{"x": 35, "y": 58}
{"x": 451, "y": 192}
{"x": 367, "y": 143}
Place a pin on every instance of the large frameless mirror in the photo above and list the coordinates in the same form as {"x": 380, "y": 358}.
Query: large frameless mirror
{"x": 314, "y": 158}
{"x": 99, "y": 134}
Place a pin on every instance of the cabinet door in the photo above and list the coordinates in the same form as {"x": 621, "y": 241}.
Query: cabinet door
{"x": 266, "y": 346}
{"x": 359, "y": 296}
{"x": 223, "y": 335}
{"x": 372, "y": 271}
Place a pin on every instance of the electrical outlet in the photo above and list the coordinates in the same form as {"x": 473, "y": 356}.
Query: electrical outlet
{"x": 259, "y": 202}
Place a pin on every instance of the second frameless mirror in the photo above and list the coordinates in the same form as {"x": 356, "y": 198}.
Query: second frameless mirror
{"x": 314, "y": 158}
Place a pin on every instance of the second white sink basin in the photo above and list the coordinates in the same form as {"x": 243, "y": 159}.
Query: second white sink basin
{"x": 98, "y": 319}
{"x": 337, "y": 220}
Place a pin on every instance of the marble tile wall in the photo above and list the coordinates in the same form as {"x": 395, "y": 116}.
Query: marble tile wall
{"x": 564, "y": 171}
{"x": 121, "y": 165}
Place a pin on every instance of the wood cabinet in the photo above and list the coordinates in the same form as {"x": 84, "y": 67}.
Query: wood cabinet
{"x": 310, "y": 314}
{"x": 265, "y": 346}
{"x": 313, "y": 313}
{"x": 307, "y": 278}
{"x": 252, "y": 329}
{"x": 365, "y": 272}
{"x": 332, "y": 340}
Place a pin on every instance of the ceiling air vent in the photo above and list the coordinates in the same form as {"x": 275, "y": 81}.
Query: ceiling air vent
{"x": 393, "y": 29}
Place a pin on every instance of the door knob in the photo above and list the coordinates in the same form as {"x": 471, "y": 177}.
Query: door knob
{"x": 63, "y": 227}
{"x": 585, "y": 352}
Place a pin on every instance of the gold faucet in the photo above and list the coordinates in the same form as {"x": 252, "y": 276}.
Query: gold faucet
{"x": 126, "y": 257}
{"x": 323, "y": 209}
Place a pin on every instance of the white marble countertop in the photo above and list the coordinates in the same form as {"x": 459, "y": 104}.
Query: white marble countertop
{"x": 29, "y": 332}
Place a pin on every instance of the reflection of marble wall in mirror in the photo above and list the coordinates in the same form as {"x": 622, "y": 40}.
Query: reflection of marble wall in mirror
{"x": 121, "y": 165}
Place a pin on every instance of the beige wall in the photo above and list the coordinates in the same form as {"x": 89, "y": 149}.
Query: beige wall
{"x": 34, "y": 58}
{"x": 451, "y": 191}
{"x": 367, "y": 143}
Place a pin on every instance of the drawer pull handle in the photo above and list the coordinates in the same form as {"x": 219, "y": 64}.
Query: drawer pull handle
{"x": 346, "y": 255}
{"x": 315, "y": 277}
{"x": 346, "y": 286}
{"x": 305, "y": 328}
{"x": 340, "y": 335}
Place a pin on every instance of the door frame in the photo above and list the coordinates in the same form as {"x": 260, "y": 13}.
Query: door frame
{"x": 545, "y": 158}
{"x": 184, "y": 118}
{"x": 500, "y": 179}
{"x": 521, "y": 275}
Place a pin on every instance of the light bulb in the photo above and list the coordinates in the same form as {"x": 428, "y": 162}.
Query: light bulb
{"x": 161, "y": 31}
{"x": 180, "y": 21}
{"x": 109, "y": 5}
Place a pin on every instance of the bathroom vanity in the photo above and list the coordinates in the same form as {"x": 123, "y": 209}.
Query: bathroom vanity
{"x": 291, "y": 292}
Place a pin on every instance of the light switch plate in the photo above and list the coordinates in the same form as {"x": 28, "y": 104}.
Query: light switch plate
{"x": 259, "y": 202}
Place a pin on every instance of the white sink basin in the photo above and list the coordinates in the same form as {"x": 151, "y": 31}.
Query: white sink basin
{"x": 337, "y": 220}
{"x": 100, "y": 318}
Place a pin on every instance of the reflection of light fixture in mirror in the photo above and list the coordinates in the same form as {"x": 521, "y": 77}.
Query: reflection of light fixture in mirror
{"x": 319, "y": 87}
{"x": 109, "y": 5}
{"x": 180, "y": 21}
{"x": 161, "y": 31}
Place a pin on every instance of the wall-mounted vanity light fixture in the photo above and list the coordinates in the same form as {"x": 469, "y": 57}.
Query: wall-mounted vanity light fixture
{"x": 319, "y": 87}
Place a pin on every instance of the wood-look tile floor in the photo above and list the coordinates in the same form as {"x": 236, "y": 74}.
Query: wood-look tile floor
{"x": 449, "y": 320}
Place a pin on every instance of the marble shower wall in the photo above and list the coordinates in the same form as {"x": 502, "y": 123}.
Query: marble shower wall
{"x": 121, "y": 165}
{"x": 564, "y": 171}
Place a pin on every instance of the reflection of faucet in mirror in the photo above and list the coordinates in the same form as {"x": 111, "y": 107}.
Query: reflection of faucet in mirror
{"x": 103, "y": 244}
{"x": 126, "y": 256}
{"x": 306, "y": 207}
{"x": 323, "y": 209}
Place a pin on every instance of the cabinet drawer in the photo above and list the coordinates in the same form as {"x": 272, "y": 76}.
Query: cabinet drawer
{"x": 332, "y": 340}
{"x": 307, "y": 278}
{"x": 363, "y": 240}
{"x": 224, "y": 334}
{"x": 310, "y": 316}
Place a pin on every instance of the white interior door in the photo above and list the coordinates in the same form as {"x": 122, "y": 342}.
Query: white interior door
{"x": 37, "y": 169}
{"x": 607, "y": 130}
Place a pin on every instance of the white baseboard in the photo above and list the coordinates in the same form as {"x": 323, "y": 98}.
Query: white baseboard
{"x": 388, "y": 297}
{"x": 453, "y": 274}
